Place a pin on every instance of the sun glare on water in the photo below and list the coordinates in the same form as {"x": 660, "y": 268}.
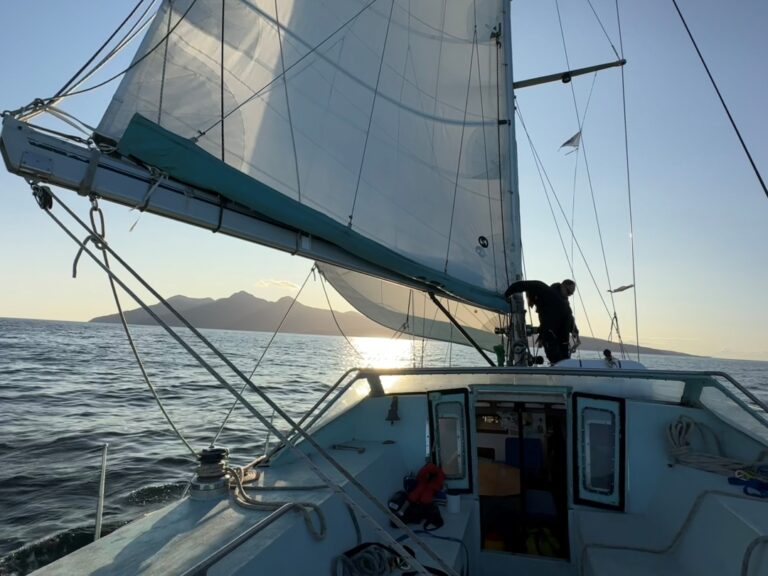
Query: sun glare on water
{"x": 383, "y": 352}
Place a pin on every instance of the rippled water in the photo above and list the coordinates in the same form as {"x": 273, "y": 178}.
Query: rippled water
{"x": 68, "y": 388}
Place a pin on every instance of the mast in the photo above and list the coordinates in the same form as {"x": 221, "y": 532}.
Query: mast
{"x": 516, "y": 345}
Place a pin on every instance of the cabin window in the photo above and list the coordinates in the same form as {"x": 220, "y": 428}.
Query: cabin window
{"x": 599, "y": 451}
{"x": 450, "y": 431}
{"x": 599, "y": 462}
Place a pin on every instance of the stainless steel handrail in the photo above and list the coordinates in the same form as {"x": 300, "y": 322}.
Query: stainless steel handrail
{"x": 747, "y": 559}
{"x": 202, "y": 566}
{"x": 678, "y": 535}
{"x": 744, "y": 390}
{"x": 314, "y": 407}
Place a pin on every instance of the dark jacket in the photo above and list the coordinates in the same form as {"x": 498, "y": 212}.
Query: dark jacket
{"x": 555, "y": 314}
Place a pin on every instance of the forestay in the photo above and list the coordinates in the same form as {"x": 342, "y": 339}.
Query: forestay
{"x": 381, "y": 126}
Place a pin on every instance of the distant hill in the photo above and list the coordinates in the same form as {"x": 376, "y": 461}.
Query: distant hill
{"x": 243, "y": 311}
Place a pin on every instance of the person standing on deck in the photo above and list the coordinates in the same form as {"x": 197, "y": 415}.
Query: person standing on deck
{"x": 556, "y": 322}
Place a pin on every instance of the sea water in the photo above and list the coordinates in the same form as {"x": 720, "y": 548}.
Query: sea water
{"x": 68, "y": 388}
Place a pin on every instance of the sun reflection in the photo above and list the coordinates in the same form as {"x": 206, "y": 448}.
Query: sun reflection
{"x": 384, "y": 352}
{"x": 362, "y": 388}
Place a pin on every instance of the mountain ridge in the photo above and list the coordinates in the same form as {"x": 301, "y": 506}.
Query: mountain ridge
{"x": 244, "y": 311}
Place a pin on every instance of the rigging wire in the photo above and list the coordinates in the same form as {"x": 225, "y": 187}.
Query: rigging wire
{"x": 461, "y": 149}
{"x": 336, "y": 321}
{"x": 287, "y": 104}
{"x": 629, "y": 183}
{"x": 258, "y": 93}
{"x": 40, "y": 105}
{"x": 542, "y": 170}
{"x": 74, "y": 77}
{"x": 46, "y": 203}
{"x": 263, "y": 353}
{"x": 720, "y": 96}
{"x": 140, "y": 24}
{"x": 97, "y": 235}
{"x": 580, "y": 119}
{"x": 370, "y": 116}
{"x": 162, "y": 74}
{"x": 579, "y": 122}
{"x": 133, "y": 64}
{"x": 600, "y": 22}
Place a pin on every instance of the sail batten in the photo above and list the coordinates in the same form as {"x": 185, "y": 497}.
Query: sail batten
{"x": 386, "y": 111}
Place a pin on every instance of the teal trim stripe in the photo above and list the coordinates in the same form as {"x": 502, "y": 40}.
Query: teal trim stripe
{"x": 185, "y": 161}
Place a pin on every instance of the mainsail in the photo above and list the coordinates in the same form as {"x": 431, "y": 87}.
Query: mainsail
{"x": 380, "y": 126}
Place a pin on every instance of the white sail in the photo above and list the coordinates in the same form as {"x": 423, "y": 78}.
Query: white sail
{"x": 412, "y": 311}
{"x": 386, "y": 118}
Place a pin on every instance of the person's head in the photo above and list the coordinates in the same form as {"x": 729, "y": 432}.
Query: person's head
{"x": 568, "y": 287}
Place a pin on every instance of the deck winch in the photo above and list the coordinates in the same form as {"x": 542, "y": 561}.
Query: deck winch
{"x": 211, "y": 479}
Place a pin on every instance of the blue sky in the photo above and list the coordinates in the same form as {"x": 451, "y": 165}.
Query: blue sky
{"x": 700, "y": 217}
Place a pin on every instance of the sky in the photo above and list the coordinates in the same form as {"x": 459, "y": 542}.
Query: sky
{"x": 700, "y": 218}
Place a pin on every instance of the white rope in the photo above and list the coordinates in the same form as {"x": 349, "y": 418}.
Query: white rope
{"x": 242, "y": 498}
{"x": 372, "y": 561}
{"x": 681, "y": 452}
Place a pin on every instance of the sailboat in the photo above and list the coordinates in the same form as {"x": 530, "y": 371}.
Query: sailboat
{"x": 378, "y": 138}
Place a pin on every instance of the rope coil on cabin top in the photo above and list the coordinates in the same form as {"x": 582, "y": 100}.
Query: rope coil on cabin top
{"x": 242, "y": 498}
{"x": 678, "y": 433}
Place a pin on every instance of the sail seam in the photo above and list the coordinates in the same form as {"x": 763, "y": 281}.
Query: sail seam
{"x": 439, "y": 69}
{"x": 370, "y": 116}
{"x": 298, "y": 61}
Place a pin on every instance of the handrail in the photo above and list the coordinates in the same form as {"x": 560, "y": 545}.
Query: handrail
{"x": 323, "y": 475}
{"x": 265, "y": 457}
{"x": 645, "y": 374}
{"x": 745, "y": 561}
{"x": 102, "y": 483}
{"x": 202, "y": 566}
{"x": 324, "y": 409}
{"x": 743, "y": 389}
{"x": 688, "y": 519}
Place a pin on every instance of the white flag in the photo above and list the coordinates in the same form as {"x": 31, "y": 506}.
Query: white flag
{"x": 573, "y": 141}
{"x": 621, "y": 288}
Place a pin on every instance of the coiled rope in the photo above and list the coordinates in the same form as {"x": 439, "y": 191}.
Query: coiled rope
{"x": 242, "y": 498}
{"x": 681, "y": 452}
